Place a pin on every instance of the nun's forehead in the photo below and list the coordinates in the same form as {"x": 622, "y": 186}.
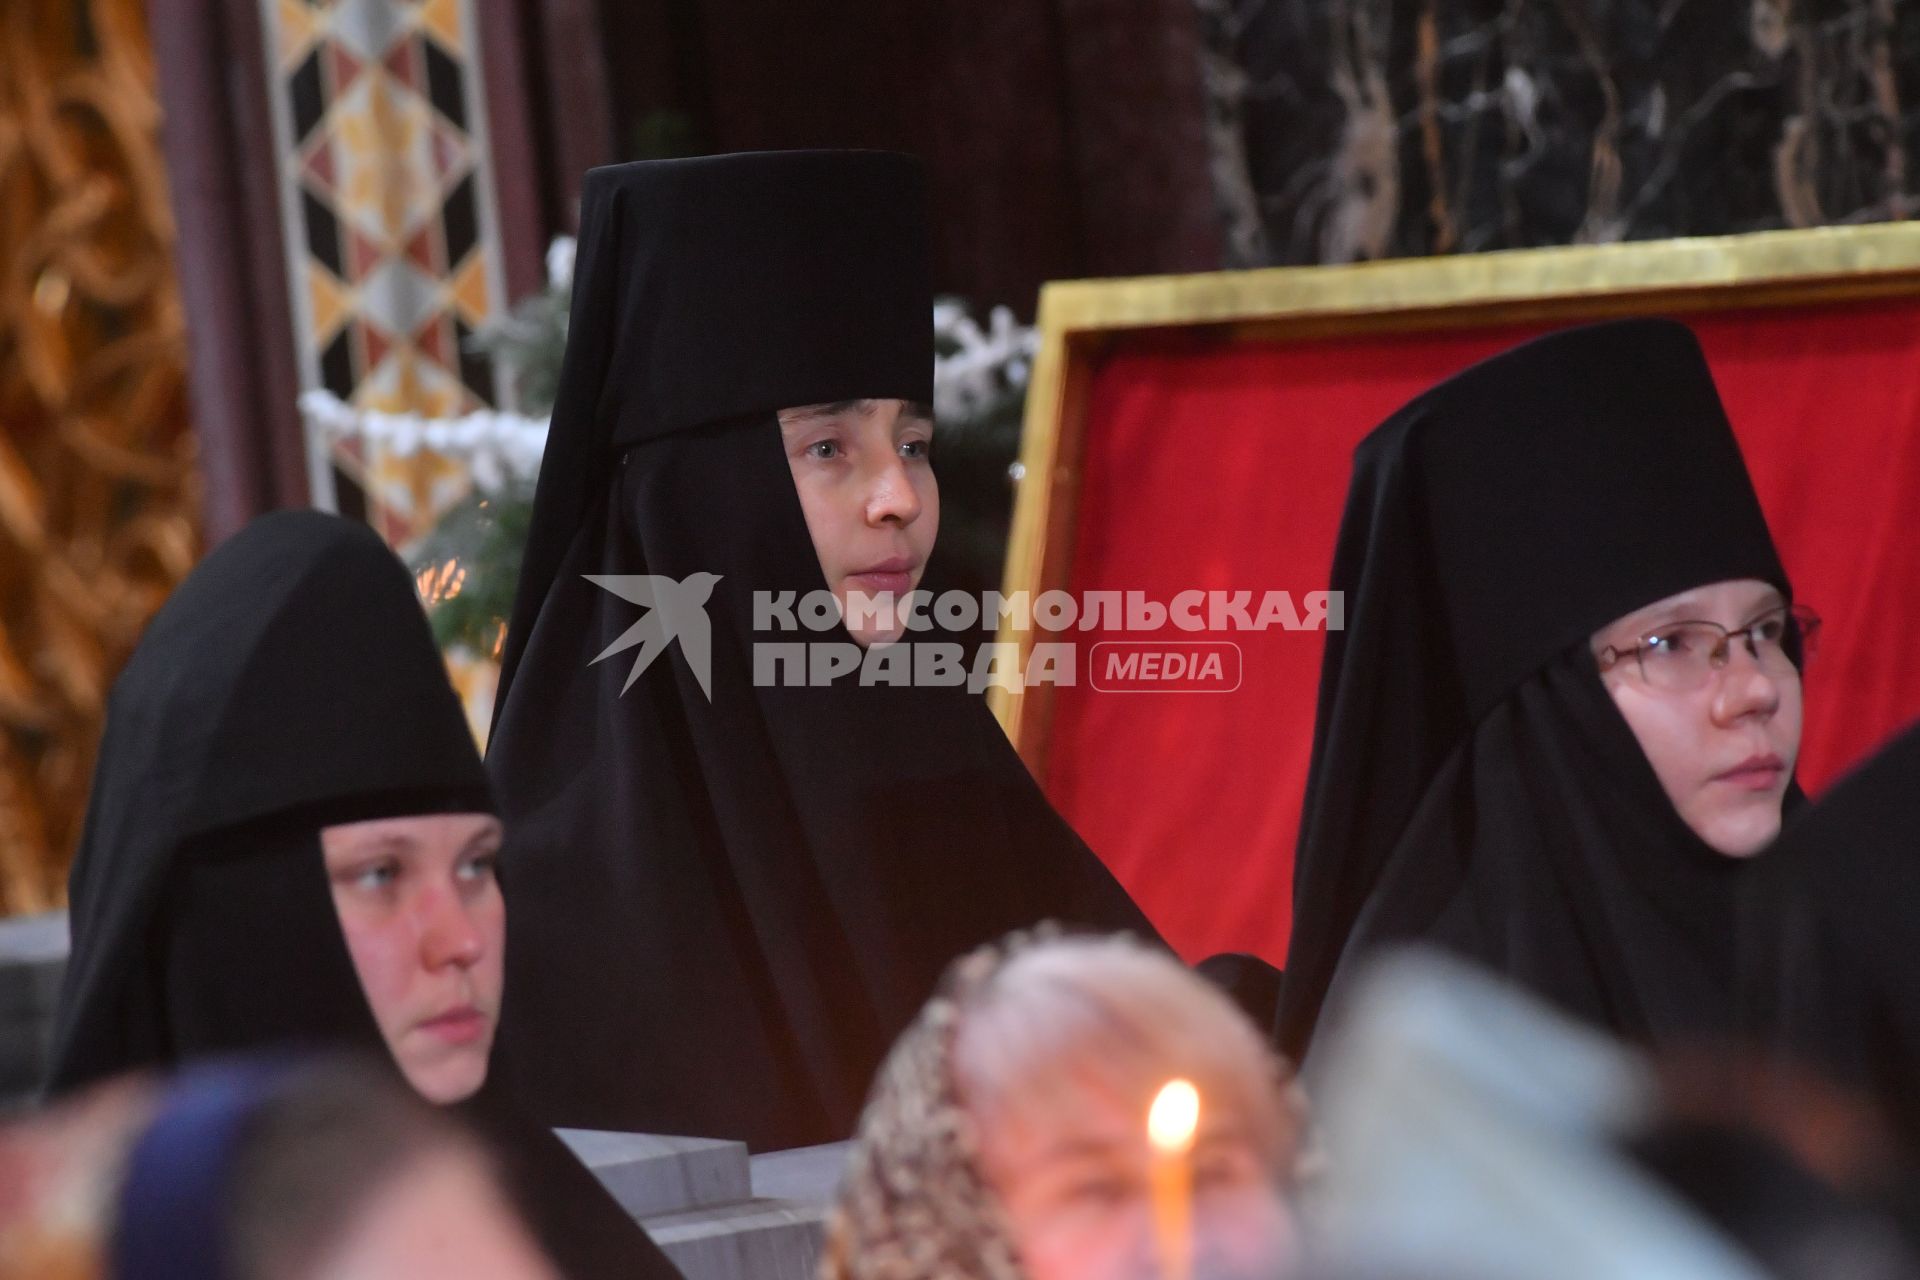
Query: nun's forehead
{"x": 1701, "y": 603}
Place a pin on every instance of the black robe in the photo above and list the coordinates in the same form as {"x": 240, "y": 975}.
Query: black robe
{"x": 290, "y": 683}
{"x": 1829, "y": 970}
{"x": 777, "y": 874}
{"x": 1471, "y": 782}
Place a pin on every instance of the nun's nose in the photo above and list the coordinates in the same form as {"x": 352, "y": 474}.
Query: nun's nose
{"x": 449, "y": 935}
{"x": 1744, "y": 688}
{"x": 893, "y": 497}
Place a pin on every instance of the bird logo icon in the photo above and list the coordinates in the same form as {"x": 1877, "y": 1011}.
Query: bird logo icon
{"x": 676, "y": 608}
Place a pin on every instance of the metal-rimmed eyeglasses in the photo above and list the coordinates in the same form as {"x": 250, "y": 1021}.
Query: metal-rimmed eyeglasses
{"x": 1680, "y": 657}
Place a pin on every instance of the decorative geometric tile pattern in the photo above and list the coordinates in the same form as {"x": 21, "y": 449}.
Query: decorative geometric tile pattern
{"x": 390, "y": 214}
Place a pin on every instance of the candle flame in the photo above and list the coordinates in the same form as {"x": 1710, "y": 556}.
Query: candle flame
{"x": 1174, "y": 1117}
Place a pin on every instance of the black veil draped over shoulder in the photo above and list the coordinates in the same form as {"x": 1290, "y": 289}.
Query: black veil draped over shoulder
{"x": 290, "y": 683}
{"x": 1830, "y": 973}
{"x": 729, "y": 898}
{"x": 1471, "y": 783}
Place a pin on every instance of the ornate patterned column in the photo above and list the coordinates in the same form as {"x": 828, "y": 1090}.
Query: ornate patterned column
{"x": 387, "y": 193}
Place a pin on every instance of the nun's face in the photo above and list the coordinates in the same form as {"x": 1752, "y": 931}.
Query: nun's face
{"x": 424, "y": 921}
{"x": 865, "y": 479}
{"x": 1724, "y": 750}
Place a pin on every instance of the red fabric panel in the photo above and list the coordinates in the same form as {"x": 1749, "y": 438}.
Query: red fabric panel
{"x": 1225, "y": 468}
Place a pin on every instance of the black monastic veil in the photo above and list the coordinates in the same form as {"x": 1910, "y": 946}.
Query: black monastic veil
{"x": 727, "y": 906}
{"x": 1828, "y": 956}
{"x": 290, "y": 683}
{"x": 1472, "y": 784}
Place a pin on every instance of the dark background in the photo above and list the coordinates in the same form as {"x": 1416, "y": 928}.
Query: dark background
{"x": 1063, "y": 138}
{"x": 1069, "y": 138}
{"x": 1394, "y": 129}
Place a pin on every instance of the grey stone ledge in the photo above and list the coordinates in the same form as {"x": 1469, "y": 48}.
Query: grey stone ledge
{"x": 756, "y": 1240}
{"x": 650, "y": 1174}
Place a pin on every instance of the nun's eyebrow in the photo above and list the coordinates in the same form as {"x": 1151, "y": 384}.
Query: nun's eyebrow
{"x": 1670, "y": 614}
{"x": 1688, "y": 608}
{"x": 482, "y": 838}
{"x": 386, "y": 843}
{"x": 834, "y": 409}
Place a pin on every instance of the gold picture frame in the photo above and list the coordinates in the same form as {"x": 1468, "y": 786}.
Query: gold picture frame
{"x": 1082, "y": 320}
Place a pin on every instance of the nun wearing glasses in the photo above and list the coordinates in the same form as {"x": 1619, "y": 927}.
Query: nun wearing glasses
{"x": 1565, "y": 712}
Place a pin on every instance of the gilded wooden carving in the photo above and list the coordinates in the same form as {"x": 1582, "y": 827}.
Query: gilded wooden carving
{"x": 98, "y": 503}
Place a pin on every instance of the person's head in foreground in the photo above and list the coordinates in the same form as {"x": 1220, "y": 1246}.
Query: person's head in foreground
{"x": 255, "y": 1169}
{"x": 1795, "y": 1170}
{"x": 1007, "y": 1133}
{"x": 261, "y": 1170}
{"x": 290, "y": 838}
{"x": 1566, "y": 704}
{"x": 60, "y": 1173}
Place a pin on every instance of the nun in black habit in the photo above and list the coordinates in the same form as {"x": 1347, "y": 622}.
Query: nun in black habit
{"x": 730, "y": 896}
{"x": 1564, "y": 710}
{"x": 289, "y": 689}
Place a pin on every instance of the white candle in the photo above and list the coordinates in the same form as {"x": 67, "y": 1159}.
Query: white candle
{"x": 1172, "y": 1122}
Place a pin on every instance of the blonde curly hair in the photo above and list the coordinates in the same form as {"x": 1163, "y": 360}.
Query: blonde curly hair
{"x": 1020, "y": 1025}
